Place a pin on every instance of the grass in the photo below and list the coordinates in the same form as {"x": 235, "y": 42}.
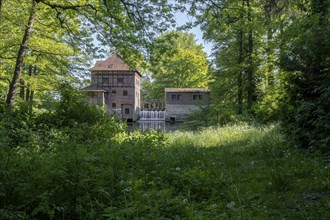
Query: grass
{"x": 245, "y": 172}
{"x": 233, "y": 172}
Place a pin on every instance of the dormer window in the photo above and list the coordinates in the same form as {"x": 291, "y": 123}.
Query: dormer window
{"x": 110, "y": 66}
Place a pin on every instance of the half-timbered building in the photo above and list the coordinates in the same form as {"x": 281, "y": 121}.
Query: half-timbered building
{"x": 116, "y": 86}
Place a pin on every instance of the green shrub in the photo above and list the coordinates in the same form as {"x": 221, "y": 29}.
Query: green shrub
{"x": 306, "y": 58}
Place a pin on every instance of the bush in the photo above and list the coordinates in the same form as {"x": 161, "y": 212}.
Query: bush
{"x": 308, "y": 85}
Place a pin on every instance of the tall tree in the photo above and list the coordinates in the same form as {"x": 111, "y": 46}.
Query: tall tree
{"x": 20, "y": 56}
{"x": 64, "y": 31}
{"x": 246, "y": 35}
{"x": 176, "y": 60}
{"x": 305, "y": 55}
{"x": 231, "y": 26}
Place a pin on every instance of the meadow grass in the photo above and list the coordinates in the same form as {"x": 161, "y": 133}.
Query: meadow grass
{"x": 231, "y": 172}
{"x": 247, "y": 172}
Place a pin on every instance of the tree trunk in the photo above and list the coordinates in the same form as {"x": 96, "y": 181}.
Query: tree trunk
{"x": 271, "y": 10}
{"x": 0, "y": 8}
{"x": 270, "y": 68}
{"x": 240, "y": 74}
{"x": 22, "y": 89}
{"x": 241, "y": 70}
{"x": 250, "y": 78}
{"x": 27, "y": 98}
{"x": 20, "y": 58}
{"x": 30, "y": 100}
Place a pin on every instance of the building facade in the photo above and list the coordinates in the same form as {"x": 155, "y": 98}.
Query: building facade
{"x": 181, "y": 102}
{"x": 117, "y": 87}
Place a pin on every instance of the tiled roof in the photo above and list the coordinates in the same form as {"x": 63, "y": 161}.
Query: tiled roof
{"x": 186, "y": 90}
{"x": 115, "y": 62}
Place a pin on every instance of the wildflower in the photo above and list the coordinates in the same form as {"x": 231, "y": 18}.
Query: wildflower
{"x": 128, "y": 189}
{"x": 178, "y": 169}
{"x": 231, "y": 204}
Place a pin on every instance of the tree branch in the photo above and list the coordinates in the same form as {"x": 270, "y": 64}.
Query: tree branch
{"x": 39, "y": 52}
{"x": 221, "y": 6}
{"x": 65, "y": 7}
{"x": 7, "y": 58}
{"x": 5, "y": 79}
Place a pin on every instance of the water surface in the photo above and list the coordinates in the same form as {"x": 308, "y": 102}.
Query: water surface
{"x": 153, "y": 125}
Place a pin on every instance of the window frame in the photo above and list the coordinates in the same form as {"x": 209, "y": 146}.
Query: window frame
{"x": 120, "y": 79}
{"x": 105, "y": 81}
{"x": 173, "y": 97}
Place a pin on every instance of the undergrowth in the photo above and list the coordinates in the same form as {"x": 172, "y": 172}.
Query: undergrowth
{"x": 232, "y": 172}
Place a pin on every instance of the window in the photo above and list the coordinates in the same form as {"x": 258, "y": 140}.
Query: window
{"x": 113, "y": 92}
{"x": 126, "y": 111}
{"x": 176, "y": 97}
{"x": 105, "y": 81}
{"x": 195, "y": 96}
{"x": 99, "y": 80}
{"x": 120, "y": 79}
{"x": 125, "y": 93}
{"x": 113, "y": 105}
{"x": 110, "y": 66}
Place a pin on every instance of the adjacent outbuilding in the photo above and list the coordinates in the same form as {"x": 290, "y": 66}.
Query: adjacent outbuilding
{"x": 181, "y": 102}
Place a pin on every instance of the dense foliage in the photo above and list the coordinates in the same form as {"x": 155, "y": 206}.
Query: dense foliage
{"x": 307, "y": 57}
{"x": 43, "y": 42}
{"x": 213, "y": 173}
{"x": 271, "y": 64}
{"x": 52, "y": 159}
{"x": 64, "y": 159}
{"x": 176, "y": 61}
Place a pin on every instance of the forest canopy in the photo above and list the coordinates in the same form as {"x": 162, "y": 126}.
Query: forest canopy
{"x": 176, "y": 60}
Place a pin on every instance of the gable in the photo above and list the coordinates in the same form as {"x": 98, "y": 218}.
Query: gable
{"x": 115, "y": 63}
